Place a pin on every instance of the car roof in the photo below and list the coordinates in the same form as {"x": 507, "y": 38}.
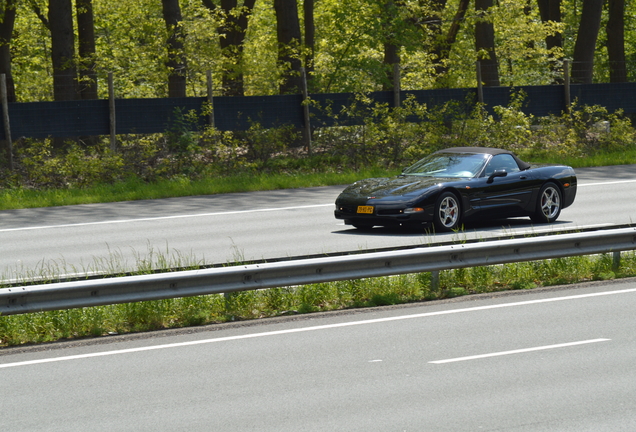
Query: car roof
{"x": 486, "y": 150}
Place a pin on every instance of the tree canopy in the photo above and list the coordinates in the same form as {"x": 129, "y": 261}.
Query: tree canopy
{"x": 64, "y": 49}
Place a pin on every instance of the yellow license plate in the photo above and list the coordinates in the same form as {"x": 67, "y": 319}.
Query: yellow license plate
{"x": 365, "y": 209}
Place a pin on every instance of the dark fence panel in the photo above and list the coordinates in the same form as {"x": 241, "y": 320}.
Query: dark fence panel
{"x": 326, "y": 106}
{"x": 327, "y": 109}
{"x": 611, "y": 96}
{"x": 463, "y": 96}
{"x": 542, "y": 101}
{"x": 539, "y": 101}
{"x": 239, "y": 113}
{"x": 91, "y": 117}
{"x": 143, "y": 116}
{"x": 67, "y": 118}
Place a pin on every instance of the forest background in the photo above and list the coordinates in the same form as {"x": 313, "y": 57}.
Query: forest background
{"x": 65, "y": 49}
{"x": 61, "y": 50}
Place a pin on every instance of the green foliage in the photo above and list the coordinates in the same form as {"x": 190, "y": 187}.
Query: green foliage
{"x": 42, "y": 166}
{"x": 585, "y": 131}
{"x": 348, "y": 55}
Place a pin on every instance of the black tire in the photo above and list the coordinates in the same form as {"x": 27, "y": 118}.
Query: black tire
{"x": 549, "y": 201}
{"x": 448, "y": 212}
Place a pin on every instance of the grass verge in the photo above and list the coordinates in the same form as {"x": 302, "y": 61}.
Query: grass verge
{"x": 135, "y": 189}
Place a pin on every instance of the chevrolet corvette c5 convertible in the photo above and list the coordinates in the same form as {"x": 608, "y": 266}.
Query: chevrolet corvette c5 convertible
{"x": 459, "y": 184}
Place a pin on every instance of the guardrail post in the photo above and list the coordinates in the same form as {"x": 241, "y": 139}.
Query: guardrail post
{"x": 435, "y": 281}
{"x": 616, "y": 260}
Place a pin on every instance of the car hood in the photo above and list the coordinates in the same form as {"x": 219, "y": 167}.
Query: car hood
{"x": 394, "y": 186}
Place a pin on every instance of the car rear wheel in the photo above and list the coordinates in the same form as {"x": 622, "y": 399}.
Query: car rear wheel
{"x": 447, "y": 212}
{"x": 548, "y": 207}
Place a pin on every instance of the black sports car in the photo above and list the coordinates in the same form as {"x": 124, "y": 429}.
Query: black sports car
{"x": 459, "y": 184}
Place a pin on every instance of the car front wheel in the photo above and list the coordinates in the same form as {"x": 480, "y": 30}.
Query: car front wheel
{"x": 447, "y": 212}
{"x": 548, "y": 205}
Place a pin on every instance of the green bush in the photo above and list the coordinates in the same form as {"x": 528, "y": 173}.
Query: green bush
{"x": 384, "y": 139}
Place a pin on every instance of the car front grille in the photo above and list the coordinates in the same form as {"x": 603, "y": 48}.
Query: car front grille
{"x": 390, "y": 212}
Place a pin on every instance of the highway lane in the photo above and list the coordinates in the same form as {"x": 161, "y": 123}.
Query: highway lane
{"x": 250, "y": 226}
{"x": 541, "y": 360}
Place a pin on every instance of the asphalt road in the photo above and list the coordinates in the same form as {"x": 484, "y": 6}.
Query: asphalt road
{"x": 541, "y": 360}
{"x": 250, "y": 226}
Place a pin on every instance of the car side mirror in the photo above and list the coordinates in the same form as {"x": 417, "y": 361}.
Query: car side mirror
{"x": 497, "y": 173}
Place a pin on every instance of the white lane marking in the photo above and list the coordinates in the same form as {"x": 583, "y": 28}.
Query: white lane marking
{"x": 166, "y": 217}
{"x": 607, "y": 183}
{"x": 314, "y": 328}
{"x": 518, "y": 351}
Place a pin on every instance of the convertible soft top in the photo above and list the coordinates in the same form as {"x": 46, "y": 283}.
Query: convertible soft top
{"x": 486, "y": 150}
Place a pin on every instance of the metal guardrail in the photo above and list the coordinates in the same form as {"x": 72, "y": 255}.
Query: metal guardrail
{"x": 67, "y": 295}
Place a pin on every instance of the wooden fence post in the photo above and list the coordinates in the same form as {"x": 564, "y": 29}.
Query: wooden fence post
{"x": 210, "y": 97}
{"x": 396, "y": 85}
{"x": 307, "y": 129}
{"x": 111, "y": 108}
{"x": 566, "y": 85}
{"x": 480, "y": 86}
{"x": 5, "y": 118}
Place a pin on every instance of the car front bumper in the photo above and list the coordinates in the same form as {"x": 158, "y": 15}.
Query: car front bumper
{"x": 383, "y": 216}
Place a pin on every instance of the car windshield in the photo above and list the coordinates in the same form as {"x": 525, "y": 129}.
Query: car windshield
{"x": 464, "y": 165}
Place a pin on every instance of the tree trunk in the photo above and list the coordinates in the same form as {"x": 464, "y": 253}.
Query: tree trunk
{"x": 583, "y": 59}
{"x": 391, "y": 48}
{"x": 616, "y": 41}
{"x": 441, "y": 50}
{"x": 6, "y": 33}
{"x": 86, "y": 42}
{"x": 485, "y": 44}
{"x": 550, "y": 11}
{"x": 231, "y": 37}
{"x": 289, "y": 43}
{"x": 60, "y": 18}
{"x": 310, "y": 38}
{"x": 176, "y": 63}
{"x": 391, "y": 58}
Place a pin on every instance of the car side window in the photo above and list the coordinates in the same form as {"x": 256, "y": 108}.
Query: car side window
{"x": 501, "y": 162}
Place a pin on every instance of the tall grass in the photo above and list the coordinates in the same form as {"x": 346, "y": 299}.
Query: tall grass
{"x": 247, "y": 305}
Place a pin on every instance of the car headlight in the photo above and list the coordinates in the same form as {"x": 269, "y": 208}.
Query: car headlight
{"x": 413, "y": 210}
